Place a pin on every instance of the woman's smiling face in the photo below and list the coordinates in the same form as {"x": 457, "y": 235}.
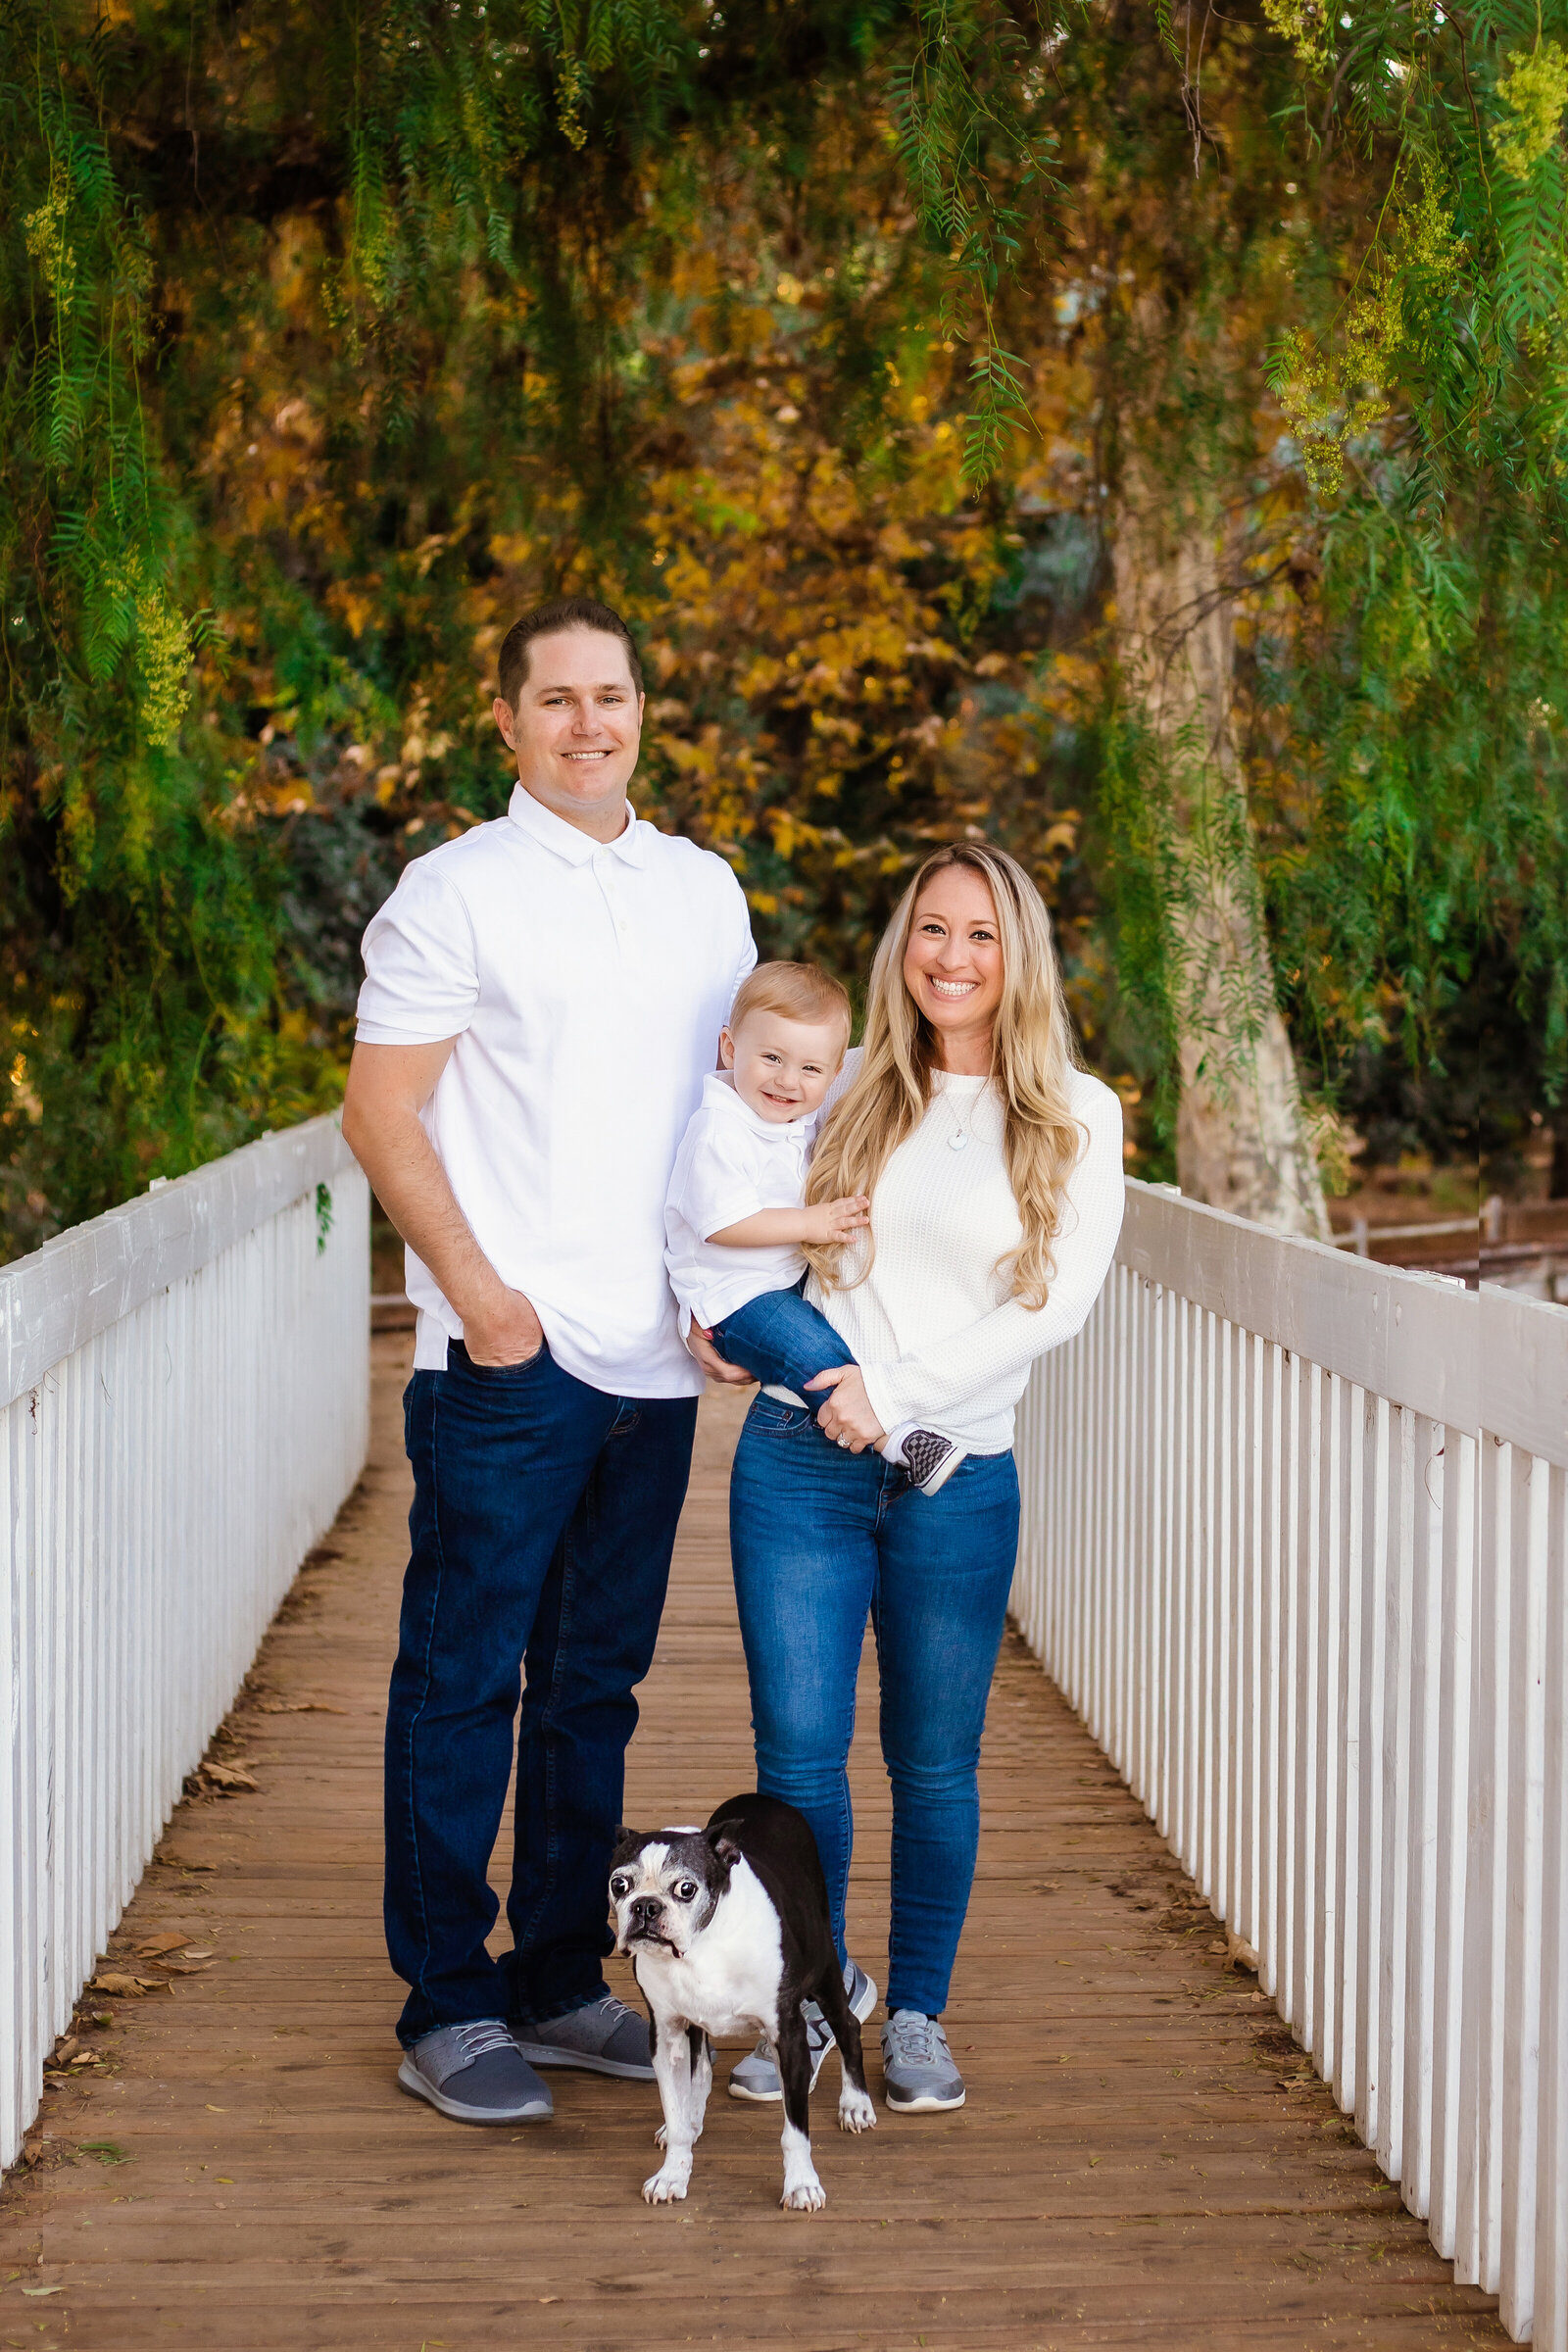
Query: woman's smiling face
{"x": 953, "y": 964}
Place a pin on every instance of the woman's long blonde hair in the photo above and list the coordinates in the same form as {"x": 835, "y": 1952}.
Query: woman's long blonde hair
{"x": 1031, "y": 1063}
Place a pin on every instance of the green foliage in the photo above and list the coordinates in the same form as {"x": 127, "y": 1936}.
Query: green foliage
{"x": 971, "y": 91}
{"x": 327, "y": 346}
{"x": 1426, "y": 689}
{"x": 835, "y": 340}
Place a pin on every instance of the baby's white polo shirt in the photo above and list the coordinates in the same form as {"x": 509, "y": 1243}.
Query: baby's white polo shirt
{"x": 730, "y": 1165}
{"x": 586, "y": 984}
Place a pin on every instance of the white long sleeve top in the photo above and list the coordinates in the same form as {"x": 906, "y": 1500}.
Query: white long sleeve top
{"x": 933, "y": 1328}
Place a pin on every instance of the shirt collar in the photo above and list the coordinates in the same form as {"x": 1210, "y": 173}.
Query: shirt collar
{"x": 552, "y": 832}
{"x": 719, "y": 1087}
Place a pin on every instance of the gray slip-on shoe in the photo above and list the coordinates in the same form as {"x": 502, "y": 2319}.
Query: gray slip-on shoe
{"x": 757, "y": 2077}
{"x": 917, "y": 2070}
{"x": 476, "y": 2073}
{"x": 602, "y": 2038}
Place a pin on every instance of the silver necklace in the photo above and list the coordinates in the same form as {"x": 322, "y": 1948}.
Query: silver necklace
{"x": 957, "y": 1141}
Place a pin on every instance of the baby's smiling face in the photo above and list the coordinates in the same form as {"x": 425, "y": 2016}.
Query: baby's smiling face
{"x": 782, "y": 1068}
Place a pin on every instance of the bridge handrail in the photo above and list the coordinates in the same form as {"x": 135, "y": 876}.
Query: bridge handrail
{"x": 1296, "y": 1546}
{"x": 183, "y": 1407}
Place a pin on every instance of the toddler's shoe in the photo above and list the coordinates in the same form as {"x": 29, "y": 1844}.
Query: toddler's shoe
{"x": 930, "y": 1459}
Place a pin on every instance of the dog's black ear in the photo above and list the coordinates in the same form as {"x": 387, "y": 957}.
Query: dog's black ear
{"x": 627, "y": 1842}
{"x": 728, "y": 1852}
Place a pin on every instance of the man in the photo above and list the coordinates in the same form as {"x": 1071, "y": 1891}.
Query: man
{"x": 542, "y": 1000}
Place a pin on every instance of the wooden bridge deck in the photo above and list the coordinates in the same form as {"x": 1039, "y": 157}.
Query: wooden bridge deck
{"x": 1144, "y": 2160}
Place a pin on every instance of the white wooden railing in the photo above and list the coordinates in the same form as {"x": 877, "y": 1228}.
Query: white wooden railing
{"x": 184, "y": 1407}
{"x": 1297, "y": 1548}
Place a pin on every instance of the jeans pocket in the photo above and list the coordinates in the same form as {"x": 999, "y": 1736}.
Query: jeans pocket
{"x": 768, "y": 1414}
{"x": 489, "y": 1373}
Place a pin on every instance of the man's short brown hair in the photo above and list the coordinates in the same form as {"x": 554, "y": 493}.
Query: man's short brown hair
{"x": 549, "y": 620}
{"x": 795, "y": 991}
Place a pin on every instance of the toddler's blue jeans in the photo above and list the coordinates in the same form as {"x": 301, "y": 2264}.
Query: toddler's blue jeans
{"x": 783, "y": 1342}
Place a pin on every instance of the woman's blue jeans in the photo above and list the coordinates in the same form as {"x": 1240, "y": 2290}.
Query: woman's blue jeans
{"x": 819, "y": 1536}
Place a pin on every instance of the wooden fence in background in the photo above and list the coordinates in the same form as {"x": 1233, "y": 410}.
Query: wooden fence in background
{"x": 184, "y": 1407}
{"x": 1296, "y": 1547}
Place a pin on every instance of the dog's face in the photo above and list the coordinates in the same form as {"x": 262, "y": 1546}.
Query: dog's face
{"x": 665, "y": 1886}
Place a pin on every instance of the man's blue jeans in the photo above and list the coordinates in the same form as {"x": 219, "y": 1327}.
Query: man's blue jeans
{"x": 783, "y": 1340}
{"x": 543, "y": 1521}
{"x": 818, "y": 1538}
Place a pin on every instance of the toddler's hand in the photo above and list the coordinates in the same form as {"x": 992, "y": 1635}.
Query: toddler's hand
{"x": 834, "y": 1221}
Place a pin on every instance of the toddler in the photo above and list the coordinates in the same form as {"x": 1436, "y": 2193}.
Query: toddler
{"x": 735, "y": 1217}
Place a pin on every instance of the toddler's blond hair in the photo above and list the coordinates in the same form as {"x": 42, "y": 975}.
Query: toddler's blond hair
{"x": 795, "y": 991}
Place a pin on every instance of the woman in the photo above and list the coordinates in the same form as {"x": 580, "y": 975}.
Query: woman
{"x": 993, "y": 1169}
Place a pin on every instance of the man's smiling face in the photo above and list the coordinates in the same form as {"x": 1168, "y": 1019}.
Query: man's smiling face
{"x": 576, "y": 728}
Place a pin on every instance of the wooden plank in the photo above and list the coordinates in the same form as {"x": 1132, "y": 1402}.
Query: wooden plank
{"x": 1129, "y": 2170}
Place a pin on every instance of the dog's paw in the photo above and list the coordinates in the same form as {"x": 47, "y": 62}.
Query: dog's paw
{"x": 804, "y": 2196}
{"x": 667, "y": 2188}
{"x": 857, "y": 2111}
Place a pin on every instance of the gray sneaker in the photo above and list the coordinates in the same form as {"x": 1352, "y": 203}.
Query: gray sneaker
{"x": 476, "y": 2073}
{"x": 602, "y": 2038}
{"x": 757, "y": 2075}
{"x": 918, "y": 2066}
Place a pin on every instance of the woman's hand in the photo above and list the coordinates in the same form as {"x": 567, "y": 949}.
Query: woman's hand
{"x": 846, "y": 1416}
{"x": 831, "y": 1222}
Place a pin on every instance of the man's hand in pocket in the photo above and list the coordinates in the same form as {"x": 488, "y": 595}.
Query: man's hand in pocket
{"x": 506, "y": 1331}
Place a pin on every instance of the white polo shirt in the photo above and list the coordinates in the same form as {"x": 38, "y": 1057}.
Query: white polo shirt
{"x": 730, "y": 1165}
{"x": 586, "y": 984}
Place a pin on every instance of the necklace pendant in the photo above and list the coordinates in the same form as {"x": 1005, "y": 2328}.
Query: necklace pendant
{"x": 957, "y": 1141}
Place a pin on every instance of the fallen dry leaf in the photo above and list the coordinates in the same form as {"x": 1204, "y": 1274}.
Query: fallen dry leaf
{"x": 126, "y": 1988}
{"x": 297, "y": 1706}
{"x": 229, "y": 1777}
{"x": 85, "y": 2058}
{"x": 67, "y": 2051}
{"x": 43, "y": 2291}
{"x": 188, "y": 1968}
{"x": 206, "y": 1952}
{"x": 212, "y": 2110}
{"x": 170, "y": 1941}
{"x": 185, "y": 1862}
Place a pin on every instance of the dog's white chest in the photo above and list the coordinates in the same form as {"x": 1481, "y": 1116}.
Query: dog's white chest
{"x": 727, "y": 1982}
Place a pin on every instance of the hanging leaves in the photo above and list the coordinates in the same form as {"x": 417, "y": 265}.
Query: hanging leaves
{"x": 976, "y": 152}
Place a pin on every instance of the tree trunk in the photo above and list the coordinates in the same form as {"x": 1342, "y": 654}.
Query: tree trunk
{"x": 1242, "y": 1139}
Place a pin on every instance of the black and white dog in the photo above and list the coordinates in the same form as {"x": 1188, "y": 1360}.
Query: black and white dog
{"x": 728, "y": 1932}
